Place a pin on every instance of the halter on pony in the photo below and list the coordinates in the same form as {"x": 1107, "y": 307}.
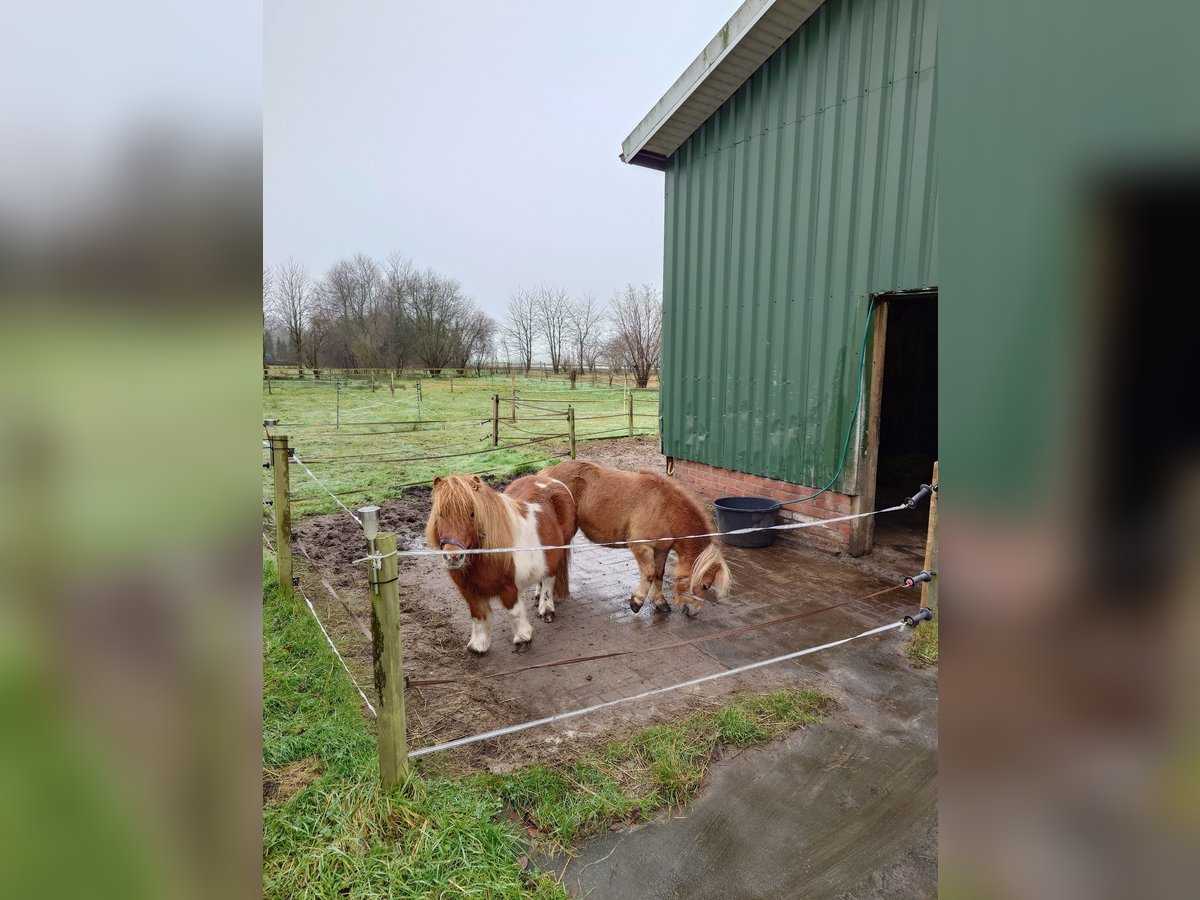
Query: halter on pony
{"x": 449, "y": 561}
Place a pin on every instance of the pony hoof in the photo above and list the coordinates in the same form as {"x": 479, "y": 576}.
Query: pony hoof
{"x": 663, "y": 608}
{"x": 690, "y": 611}
{"x": 547, "y": 617}
{"x": 636, "y": 605}
{"x": 471, "y": 651}
{"x": 521, "y": 646}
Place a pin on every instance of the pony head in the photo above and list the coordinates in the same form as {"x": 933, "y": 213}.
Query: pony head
{"x": 454, "y": 521}
{"x": 709, "y": 572}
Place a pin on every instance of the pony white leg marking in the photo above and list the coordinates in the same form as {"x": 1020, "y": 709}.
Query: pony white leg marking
{"x": 522, "y": 627}
{"x": 529, "y": 566}
{"x": 546, "y": 595}
{"x": 481, "y": 634}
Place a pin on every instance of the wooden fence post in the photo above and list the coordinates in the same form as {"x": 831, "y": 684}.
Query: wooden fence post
{"x": 929, "y": 589}
{"x": 571, "y": 428}
{"x": 631, "y": 414}
{"x": 283, "y": 512}
{"x": 387, "y": 654}
{"x": 337, "y": 387}
{"x": 495, "y": 420}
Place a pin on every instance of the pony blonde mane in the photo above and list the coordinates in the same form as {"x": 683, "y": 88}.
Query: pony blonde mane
{"x": 457, "y": 496}
{"x": 709, "y": 556}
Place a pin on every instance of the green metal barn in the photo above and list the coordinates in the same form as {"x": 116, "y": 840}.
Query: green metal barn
{"x": 800, "y": 255}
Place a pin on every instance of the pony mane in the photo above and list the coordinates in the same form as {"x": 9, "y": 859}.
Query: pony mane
{"x": 723, "y": 579}
{"x": 459, "y": 495}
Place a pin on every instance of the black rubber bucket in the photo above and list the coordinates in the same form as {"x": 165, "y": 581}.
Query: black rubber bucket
{"x": 746, "y": 512}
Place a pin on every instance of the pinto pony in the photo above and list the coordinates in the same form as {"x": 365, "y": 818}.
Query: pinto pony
{"x": 615, "y": 506}
{"x": 469, "y": 515}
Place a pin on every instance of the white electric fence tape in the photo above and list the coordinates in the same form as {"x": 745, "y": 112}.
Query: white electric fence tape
{"x": 593, "y": 546}
{"x": 511, "y": 729}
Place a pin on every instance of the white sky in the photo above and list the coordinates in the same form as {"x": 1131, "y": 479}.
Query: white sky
{"x": 479, "y": 138}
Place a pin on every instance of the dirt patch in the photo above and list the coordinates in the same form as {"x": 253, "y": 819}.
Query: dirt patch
{"x": 286, "y": 781}
{"x": 436, "y": 623}
{"x": 770, "y": 582}
{"x": 630, "y": 454}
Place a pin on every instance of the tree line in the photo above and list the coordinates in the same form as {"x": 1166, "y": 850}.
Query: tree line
{"x": 367, "y": 314}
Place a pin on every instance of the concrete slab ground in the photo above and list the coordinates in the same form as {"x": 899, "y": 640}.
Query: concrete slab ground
{"x": 847, "y": 808}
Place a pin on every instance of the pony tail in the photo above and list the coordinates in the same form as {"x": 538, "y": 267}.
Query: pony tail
{"x": 710, "y": 556}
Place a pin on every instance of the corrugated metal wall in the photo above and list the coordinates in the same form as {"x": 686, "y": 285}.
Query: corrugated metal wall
{"x": 811, "y": 188}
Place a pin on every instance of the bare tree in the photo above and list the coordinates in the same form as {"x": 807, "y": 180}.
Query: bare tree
{"x": 268, "y": 294}
{"x": 399, "y": 285}
{"x": 292, "y": 302}
{"x": 320, "y": 326}
{"x": 553, "y": 305}
{"x": 474, "y": 336}
{"x": 362, "y": 313}
{"x": 439, "y": 313}
{"x": 584, "y": 329}
{"x": 637, "y": 330}
{"x": 352, "y": 294}
{"x": 520, "y": 327}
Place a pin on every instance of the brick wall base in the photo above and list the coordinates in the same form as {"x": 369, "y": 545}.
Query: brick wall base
{"x": 711, "y": 483}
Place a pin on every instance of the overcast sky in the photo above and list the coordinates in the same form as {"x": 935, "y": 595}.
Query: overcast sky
{"x": 479, "y": 138}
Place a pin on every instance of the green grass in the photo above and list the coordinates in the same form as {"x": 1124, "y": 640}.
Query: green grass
{"x": 329, "y": 830}
{"x": 658, "y": 767}
{"x": 923, "y": 649}
{"x": 358, "y": 456}
{"x": 339, "y": 834}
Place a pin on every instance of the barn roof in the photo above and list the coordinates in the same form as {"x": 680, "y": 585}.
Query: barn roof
{"x": 743, "y": 44}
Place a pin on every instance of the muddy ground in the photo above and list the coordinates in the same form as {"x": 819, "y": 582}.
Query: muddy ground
{"x": 436, "y": 624}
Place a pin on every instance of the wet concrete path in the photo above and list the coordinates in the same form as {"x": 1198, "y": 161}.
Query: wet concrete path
{"x": 847, "y": 808}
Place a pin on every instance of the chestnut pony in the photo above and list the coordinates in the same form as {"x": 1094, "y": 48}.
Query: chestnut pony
{"x": 533, "y": 511}
{"x": 616, "y": 506}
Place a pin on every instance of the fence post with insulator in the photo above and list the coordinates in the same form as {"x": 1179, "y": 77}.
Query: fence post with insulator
{"x": 282, "y": 505}
{"x": 387, "y": 649}
{"x": 929, "y": 589}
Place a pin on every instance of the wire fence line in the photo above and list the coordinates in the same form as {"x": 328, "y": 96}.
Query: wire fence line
{"x": 727, "y": 673}
{"x": 328, "y": 587}
{"x": 486, "y": 450}
{"x": 514, "y": 427}
{"x": 340, "y": 433}
{"x": 336, "y": 500}
{"x": 617, "y": 432}
{"x": 522, "y": 399}
{"x": 425, "y": 482}
{"x": 790, "y": 526}
{"x": 332, "y": 646}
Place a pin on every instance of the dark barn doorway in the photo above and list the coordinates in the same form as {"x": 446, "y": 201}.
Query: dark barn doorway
{"x": 902, "y": 435}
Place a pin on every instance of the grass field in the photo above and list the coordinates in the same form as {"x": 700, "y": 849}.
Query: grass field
{"x": 361, "y": 442}
{"x": 329, "y": 830}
